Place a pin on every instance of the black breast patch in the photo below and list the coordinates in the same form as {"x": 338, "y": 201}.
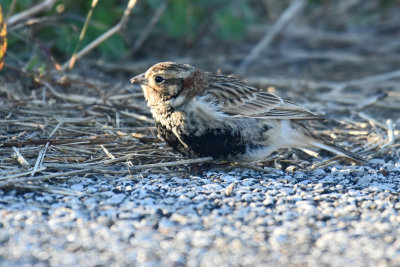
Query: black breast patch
{"x": 217, "y": 143}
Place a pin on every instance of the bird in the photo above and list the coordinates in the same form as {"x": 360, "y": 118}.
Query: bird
{"x": 203, "y": 114}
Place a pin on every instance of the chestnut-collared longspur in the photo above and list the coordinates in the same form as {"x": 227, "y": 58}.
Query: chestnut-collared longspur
{"x": 204, "y": 114}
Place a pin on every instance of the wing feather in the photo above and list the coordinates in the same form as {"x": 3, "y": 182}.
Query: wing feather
{"x": 239, "y": 99}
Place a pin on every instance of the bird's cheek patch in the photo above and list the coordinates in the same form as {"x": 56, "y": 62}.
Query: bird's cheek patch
{"x": 173, "y": 87}
{"x": 173, "y": 90}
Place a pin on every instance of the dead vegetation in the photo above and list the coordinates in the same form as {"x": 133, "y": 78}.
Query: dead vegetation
{"x": 70, "y": 125}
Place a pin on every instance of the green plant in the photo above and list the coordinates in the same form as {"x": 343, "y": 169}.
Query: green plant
{"x": 227, "y": 19}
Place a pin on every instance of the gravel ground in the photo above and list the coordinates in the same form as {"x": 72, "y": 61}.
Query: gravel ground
{"x": 338, "y": 216}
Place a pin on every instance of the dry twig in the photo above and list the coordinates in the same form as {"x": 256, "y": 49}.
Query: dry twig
{"x": 36, "y": 142}
{"x": 146, "y": 31}
{"x": 44, "y": 6}
{"x": 21, "y": 160}
{"x": 367, "y": 80}
{"x": 103, "y": 37}
{"x": 294, "y": 8}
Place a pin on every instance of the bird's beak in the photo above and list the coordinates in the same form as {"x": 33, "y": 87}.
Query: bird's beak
{"x": 141, "y": 79}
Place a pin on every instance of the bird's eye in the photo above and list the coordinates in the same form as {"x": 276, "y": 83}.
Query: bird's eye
{"x": 158, "y": 79}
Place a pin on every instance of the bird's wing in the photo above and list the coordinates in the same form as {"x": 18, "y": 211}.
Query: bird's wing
{"x": 239, "y": 99}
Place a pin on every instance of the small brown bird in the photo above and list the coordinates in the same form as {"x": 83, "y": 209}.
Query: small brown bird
{"x": 204, "y": 114}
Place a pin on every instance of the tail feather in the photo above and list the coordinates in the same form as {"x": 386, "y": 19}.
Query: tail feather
{"x": 319, "y": 142}
{"x": 338, "y": 150}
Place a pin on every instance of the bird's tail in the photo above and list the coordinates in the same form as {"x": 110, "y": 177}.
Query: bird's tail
{"x": 314, "y": 140}
{"x": 322, "y": 144}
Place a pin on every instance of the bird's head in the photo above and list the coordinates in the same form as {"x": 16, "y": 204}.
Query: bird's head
{"x": 170, "y": 83}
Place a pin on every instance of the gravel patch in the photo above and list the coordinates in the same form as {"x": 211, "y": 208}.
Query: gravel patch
{"x": 338, "y": 216}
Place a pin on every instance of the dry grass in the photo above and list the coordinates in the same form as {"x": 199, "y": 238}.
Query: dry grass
{"x": 49, "y": 133}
